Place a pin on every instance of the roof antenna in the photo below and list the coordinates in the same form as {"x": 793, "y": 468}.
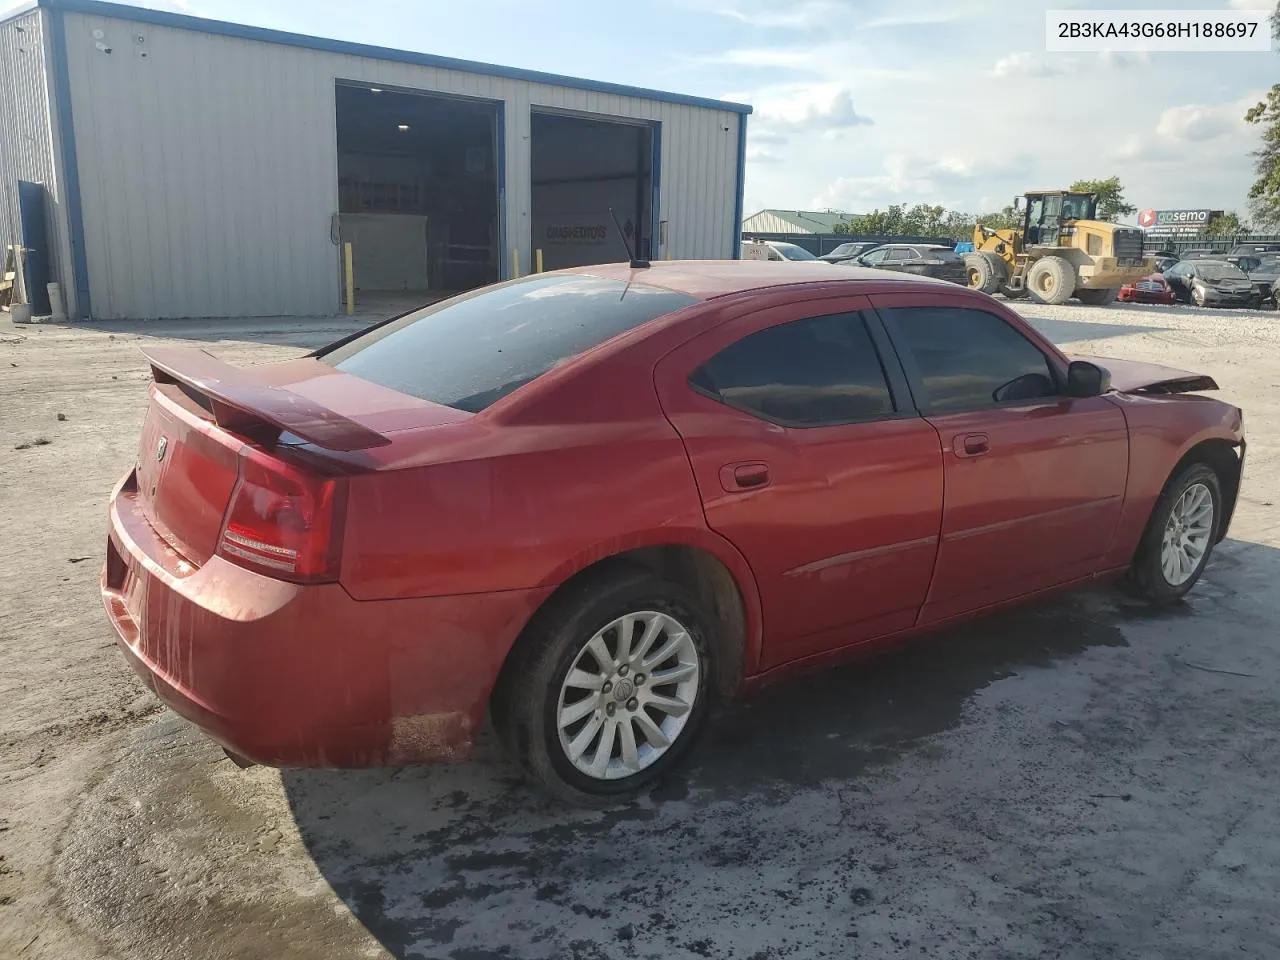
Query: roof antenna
{"x": 635, "y": 264}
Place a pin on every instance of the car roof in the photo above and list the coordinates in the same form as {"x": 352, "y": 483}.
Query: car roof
{"x": 706, "y": 279}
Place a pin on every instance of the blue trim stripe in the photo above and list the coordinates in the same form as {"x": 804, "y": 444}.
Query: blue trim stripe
{"x": 70, "y": 164}
{"x": 742, "y": 187}
{"x": 501, "y": 163}
{"x": 655, "y": 181}
{"x": 162, "y": 18}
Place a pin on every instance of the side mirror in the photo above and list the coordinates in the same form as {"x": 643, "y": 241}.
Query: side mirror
{"x": 1019, "y": 203}
{"x": 1085, "y": 379}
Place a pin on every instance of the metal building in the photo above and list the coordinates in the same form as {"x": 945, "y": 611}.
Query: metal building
{"x": 159, "y": 165}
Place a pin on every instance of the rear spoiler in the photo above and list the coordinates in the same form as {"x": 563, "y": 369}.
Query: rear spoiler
{"x": 244, "y": 403}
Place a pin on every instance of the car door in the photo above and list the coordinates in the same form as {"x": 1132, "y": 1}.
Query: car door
{"x": 1177, "y": 277}
{"x": 897, "y": 258}
{"x": 874, "y": 258}
{"x": 1034, "y": 479}
{"x": 810, "y": 459}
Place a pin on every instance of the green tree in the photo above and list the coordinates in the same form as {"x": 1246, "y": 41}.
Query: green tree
{"x": 1111, "y": 202}
{"x": 1264, "y": 195}
{"x": 1003, "y": 220}
{"x": 1226, "y": 225}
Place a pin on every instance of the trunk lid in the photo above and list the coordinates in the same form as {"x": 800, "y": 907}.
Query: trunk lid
{"x": 1134, "y": 376}
{"x": 203, "y": 412}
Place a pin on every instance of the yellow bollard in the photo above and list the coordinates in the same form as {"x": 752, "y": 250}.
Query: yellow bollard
{"x": 538, "y": 260}
{"x": 515, "y": 263}
{"x": 351, "y": 278}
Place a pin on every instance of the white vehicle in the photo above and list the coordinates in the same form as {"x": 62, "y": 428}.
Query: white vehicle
{"x": 774, "y": 250}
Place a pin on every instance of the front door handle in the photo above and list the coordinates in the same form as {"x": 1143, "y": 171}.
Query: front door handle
{"x": 750, "y": 475}
{"x": 971, "y": 445}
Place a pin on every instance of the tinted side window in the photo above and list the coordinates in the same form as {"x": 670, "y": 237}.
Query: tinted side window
{"x": 821, "y": 370}
{"x": 876, "y": 256}
{"x": 969, "y": 359}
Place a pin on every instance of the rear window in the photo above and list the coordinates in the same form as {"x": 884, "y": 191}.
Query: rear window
{"x": 470, "y": 351}
{"x": 939, "y": 253}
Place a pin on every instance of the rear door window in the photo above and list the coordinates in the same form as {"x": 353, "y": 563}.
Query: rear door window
{"x": 969, "y": 359}
{"x": 814, "y": 372}
{"x": 471, "y": 351}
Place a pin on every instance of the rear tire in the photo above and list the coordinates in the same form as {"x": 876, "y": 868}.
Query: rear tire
{"x": 1097, "y": 298}
{"x": 1180, "y": 536}
{"x": 986, "y": 271}
{"x": 1011, "y": 294}
{"x": 558, "y": 701}
{"x": 1051, "y": 280}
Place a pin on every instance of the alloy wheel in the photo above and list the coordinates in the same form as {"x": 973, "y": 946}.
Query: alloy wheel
{"x": 628, "y": 695}
{"x": 1187, "y": 533}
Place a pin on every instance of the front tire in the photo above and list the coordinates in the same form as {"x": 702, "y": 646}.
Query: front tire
{"x": 1180, "y": 536}
{"x": 986, "y": 271}
{"x": 609, "y": 689}
{"x": 1051, "y": 281}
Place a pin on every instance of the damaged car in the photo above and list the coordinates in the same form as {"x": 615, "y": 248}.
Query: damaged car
{"x": 583, "y": 506}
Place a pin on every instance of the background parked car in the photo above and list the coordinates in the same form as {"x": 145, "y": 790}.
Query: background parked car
{"x": 774, "y": 250}
{"x": 848, "y": 251}
{"x": 1152, "y": 289}
{"x": 1253, "y": 249}
{"x": 922, "y": 259}
{"x": 1204, "y": 253}
{"x": 1211, "y": 283}
{"x": 1264, "y": 271}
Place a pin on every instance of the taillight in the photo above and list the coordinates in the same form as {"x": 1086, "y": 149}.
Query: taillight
{"x": 282, "y": 521}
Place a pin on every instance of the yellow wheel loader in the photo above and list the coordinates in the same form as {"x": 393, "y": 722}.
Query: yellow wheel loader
{"x": 1061, "y": 250}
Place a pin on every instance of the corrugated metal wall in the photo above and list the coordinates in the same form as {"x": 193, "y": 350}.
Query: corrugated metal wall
{"x": 27, "y": 149}
{"x": 208, "y": 166}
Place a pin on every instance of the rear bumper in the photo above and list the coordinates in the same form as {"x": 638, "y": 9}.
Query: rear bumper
{"x": 304, "y": 676}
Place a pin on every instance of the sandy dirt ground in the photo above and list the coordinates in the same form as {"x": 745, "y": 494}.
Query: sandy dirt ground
{"x": 1081, "y": 779}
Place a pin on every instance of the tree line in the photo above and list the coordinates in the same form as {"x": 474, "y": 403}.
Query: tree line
{"x": 932, "y": 220}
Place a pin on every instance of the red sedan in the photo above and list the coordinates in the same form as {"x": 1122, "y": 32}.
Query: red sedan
{"x": 588, "y": 503}
{"x": 1152, "y": 289}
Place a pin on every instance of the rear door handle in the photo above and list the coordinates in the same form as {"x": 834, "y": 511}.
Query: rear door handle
{"x": 971, "y": 445}
{"x": 744, "y": 476}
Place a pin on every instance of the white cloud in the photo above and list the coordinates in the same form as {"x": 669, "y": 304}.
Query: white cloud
{"x": 1026, "y": 65}
{"x": 762, "y": 155}
{"x": 797, "y": 15}
{"x": 1168, "y": 124}
{"x": 920, "y": 179}
{"x": 811, "y": 110}
{"x": 1197, "y": 122}
{"x": 1121, "y": 60}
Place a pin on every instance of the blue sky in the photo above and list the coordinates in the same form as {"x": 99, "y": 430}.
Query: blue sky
{"x": 862, "y": 103}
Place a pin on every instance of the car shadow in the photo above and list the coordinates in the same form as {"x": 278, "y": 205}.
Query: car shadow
{"x": 467, "y": 862}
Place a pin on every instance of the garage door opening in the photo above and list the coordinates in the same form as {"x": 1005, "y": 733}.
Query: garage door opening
{"x": 417, "y": 193}
{"x": 580, "y": 169}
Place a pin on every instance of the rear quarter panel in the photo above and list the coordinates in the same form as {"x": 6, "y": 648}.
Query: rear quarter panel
{"x": 579, "y": 466}
{"x": 1162, "y": 430}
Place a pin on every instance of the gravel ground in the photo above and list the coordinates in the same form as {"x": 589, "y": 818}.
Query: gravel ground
{"x": 1079, "y": 779}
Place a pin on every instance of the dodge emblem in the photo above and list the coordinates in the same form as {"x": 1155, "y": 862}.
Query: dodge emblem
{"x": 161, "y": 447}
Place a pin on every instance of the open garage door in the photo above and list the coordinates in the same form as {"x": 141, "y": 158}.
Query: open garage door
{"x": 580, "y": 169}
{"x": 417, "y": 193}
